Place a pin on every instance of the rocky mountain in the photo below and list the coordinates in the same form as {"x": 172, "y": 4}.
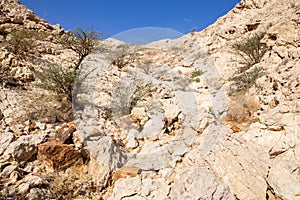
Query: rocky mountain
{"x": 211, "y": 115}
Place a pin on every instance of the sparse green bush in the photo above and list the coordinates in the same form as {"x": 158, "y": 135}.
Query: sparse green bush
{"x": 198, "y": 80}
{"x": 21, "y": 42}
{"x": 197, "y": 73}
{"x": 245, "y": 80}
{"x": 81, "y": 41}
{"x": 57, "y": 79}
{"x": 60, "y": 79}
{"x": 250, "y": 50}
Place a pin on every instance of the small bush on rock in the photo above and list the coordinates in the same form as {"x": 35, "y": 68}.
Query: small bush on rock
{"x": 57, "y": 79}
{"x": 197, "y": 73}
{"x": 251, "y": 50}
{"x": 245, "y": 80}
{"x": 21, "y": 42}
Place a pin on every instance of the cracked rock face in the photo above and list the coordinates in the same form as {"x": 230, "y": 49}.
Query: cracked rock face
{"x": 149, "y": 126}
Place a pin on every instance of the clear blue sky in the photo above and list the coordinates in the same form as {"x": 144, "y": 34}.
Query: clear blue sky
{"x": 115, "y": 16}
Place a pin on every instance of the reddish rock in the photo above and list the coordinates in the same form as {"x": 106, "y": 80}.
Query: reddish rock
{"x": 126, "y": 172}
{"x": 65, "y": 133}
{"x": 60, "y": 156}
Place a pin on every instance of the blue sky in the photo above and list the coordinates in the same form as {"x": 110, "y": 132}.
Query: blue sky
{"x": 115, "y": 16}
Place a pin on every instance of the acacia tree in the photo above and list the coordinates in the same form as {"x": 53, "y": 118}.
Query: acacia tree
{"x": 81, "y": 41}
{"x": 59, "y": 79}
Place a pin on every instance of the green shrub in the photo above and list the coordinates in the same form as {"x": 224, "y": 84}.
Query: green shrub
{"x": 245, "y": 80}
{"x": 197, "y": 80}
{"x": 250, "y": 50}
{"x": 21, "y": 42}
{"x": 81, "y": 41}
{"x": 197, "y": 73}
{"x": 57, "y": 79}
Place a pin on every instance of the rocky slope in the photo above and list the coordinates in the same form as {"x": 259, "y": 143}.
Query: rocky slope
{"x": 162, "y": 121}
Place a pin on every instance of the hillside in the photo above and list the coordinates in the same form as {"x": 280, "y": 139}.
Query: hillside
{"x": 211, "y": 115}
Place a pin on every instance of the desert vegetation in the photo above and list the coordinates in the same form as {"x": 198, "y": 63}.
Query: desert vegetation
{"x": 60, "y": 79}
{"x": 124, "y": 55}
{"x": 249, "y": 51}
{"x": 81, "y": 41}
{"x": 21, "y": 42}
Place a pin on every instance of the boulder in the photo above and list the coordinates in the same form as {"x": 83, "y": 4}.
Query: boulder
{"x": 37, "y": 194}
{"x": 199, "y": 183}
{"x": 5, "y": 139}
{"x": 126, "y": 187}
{"x": 60, "y": 157}
{"x": 154, "y": 128}
{"x": 243, "y": 165}
{"x": 25, "y": 147}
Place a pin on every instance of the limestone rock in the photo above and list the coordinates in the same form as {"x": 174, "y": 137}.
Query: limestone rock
{"x": 169, "y": 155}
{"x": 37, "y": 193}
{"x": 126, "y": 187}
{"x": 125, "y": 172}
{"x": 105, "y": 152}
{"x": 155, "y": 188}
{"x": 281, "y": 176}
{"x": 8, "y": 170}
{"x": 24, "y": 147}
{"x": 172, "y": 141}
{"x": 154, "y": 128}
{"x": 131, "y": 140}
{"x": 242, "y": 165}
{"x": 199, "y": 183}
{"x": 5, "y": 139}
{"x": 65, "y": 133}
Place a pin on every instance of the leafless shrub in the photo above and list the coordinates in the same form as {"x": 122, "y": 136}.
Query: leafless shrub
{"x": 124, "y": 55}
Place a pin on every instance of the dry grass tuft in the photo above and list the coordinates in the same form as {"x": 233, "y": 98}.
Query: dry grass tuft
{"x": 241, "y": 112}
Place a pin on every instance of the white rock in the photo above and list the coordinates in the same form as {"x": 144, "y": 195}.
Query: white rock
{"x": 5, "y": 139}
{"x": 140, "y": 113}
{"x": 171, "y": 107}
{"x": 126, "y": 187}
{"x": 131, "y": 140}
{"x": 8, "y": 170}
{"x": 155, "y": 188}
{"x": 282, "y": 175}
{"x": 37, "y": 194}
{"x": 199, "y": 183}
{"x": 243, "y": 165}
{"x": 105, "y": 152}
{"x": 23, "y": 188}
{"x": 154, "y": 128}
